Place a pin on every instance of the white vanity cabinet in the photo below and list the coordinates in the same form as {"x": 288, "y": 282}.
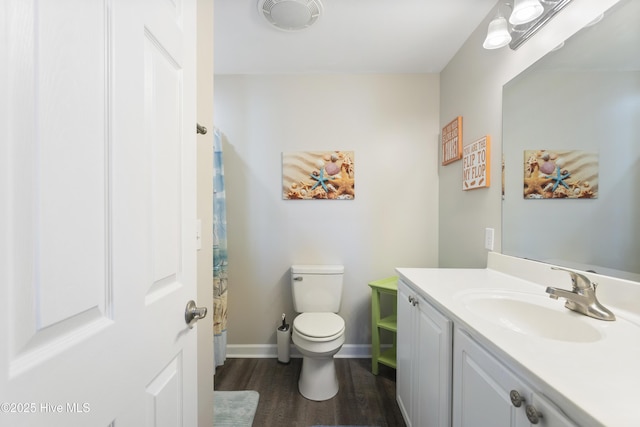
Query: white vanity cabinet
{"x": 494, "y": 330}
{"x": 424, "y": 360}
{"x": 481, "y": 388}
{"x": 487, "y": 393}
{"x": 445, "y": 377}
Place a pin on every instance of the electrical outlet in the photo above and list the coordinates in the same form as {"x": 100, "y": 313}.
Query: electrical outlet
{"x": 488, "y": 238}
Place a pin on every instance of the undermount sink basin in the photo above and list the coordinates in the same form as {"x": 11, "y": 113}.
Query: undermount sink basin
{"x": 530, "y": 314}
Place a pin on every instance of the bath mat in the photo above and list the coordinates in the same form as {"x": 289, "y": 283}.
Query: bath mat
{"x": 234, "y": 408}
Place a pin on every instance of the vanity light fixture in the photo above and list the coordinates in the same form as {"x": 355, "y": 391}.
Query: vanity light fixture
{"x": 526, "y": 18}
{"x": 498, "y": 33}
{"x": 525, "y": 11}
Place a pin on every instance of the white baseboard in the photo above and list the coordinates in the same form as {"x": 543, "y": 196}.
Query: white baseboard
{"x": 265, "y": 351}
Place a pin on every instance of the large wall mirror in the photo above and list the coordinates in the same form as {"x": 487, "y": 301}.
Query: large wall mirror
{"x": 576, "y": 114}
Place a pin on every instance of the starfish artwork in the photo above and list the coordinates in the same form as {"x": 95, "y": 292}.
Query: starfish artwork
{"x": 344, "y": 186}
{"x": 559, "y": 179}
{"x": 313, "y": 175}
{"x": 535, "y": 184}
{"x": 321, "y": 179}
{"x": 560, "y": 174}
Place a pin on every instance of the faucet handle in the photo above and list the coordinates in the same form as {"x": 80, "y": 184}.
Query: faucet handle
{"x": 578, "y": 280}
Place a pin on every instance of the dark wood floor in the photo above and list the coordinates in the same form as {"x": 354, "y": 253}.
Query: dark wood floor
{"x": 363, "y": 399}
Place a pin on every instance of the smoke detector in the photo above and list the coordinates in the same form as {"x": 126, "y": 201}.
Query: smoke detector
{"x": 290, "y": 15}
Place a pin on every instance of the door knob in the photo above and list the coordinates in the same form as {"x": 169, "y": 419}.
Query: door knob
{"x": 192, "y": 313}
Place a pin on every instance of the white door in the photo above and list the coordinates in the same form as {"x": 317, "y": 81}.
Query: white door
{"x": 97, "y": 213}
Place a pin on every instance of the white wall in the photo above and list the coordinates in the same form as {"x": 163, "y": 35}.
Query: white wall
{"x": 391, "y": 123}
{"x": 471, "y": 86}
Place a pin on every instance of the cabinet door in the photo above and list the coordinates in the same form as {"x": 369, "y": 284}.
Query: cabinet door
{"x": 433, "y": 370}
{"x": 405, "y": 351}
{"x": 481, "y": 387}
{"x": 423, "y": 376}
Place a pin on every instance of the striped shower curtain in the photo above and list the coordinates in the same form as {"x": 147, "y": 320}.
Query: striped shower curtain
{"x": 219, "y": 254}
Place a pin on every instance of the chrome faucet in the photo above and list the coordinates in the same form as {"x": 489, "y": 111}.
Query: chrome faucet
{"x": 582, "y": 297}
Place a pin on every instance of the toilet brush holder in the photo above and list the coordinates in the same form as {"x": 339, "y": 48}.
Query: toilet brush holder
{"x": 284, "y": 342}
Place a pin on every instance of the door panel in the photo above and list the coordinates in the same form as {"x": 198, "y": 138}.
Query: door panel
{"x": 162, "y": 131}
{"x": 405, "y": 353}
{"x": 481, "y": 387}
{"x": 69, "y": 216}
{"x": 97, "y": 214}
{"x": 164, "y": 396}
{"x": 435, "y": 368}
{"x": 58, "y": 224}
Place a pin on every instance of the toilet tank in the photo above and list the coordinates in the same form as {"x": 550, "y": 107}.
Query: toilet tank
{"x": 317, "y": 288}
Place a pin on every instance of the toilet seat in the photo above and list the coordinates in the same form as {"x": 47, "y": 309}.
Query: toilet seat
{"x": 318, "y": 326}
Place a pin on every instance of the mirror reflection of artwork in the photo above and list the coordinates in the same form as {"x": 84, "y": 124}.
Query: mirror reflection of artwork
{"x": 560, "y": 174}
{"x": 318, "y": 175}
{"x": 583, "y": 96}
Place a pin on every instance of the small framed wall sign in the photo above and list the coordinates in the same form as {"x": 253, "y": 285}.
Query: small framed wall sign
{"x": 476, "y": 164}
{"x": 452, "y": 141}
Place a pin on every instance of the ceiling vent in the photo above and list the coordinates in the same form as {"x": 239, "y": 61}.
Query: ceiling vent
{"x": 290, "y": 15}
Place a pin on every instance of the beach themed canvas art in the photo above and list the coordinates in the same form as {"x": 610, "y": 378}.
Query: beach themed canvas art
{"x": 560, "y": 174}
{"x": 318, "y": 175}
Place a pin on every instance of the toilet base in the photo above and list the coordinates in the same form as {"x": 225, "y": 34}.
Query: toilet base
{"x": 318, "y": 380}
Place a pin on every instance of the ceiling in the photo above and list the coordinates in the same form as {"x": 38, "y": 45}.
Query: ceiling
{"x": 351, "y": 36}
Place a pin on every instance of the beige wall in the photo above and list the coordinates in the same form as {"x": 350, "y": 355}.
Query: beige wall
{"x": 391, "y": 122}
{"x": 205, "y": 208}
{"x": 471, "y": 86}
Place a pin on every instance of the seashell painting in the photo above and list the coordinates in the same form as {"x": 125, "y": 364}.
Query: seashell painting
{"x": 560, "y": 174}
{"x": 318, "y": 175}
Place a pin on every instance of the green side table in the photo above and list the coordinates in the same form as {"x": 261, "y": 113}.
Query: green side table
{"x": 388, "y": 286}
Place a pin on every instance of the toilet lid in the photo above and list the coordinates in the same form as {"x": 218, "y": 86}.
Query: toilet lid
{"x": 318, "y": 325}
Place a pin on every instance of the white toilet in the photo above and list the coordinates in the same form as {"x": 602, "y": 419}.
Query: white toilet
{"x": 318, "y": 332}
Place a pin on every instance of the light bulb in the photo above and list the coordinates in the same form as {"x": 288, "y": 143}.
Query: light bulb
{"x": 525, "y": 11}
{"x": 497, "y": 34}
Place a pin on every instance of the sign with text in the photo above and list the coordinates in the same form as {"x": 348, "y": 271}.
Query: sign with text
{"x": 452, "y": 141}
{"x": 476, "y": 164}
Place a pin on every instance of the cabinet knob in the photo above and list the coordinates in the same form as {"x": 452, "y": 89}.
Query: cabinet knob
{"x": 516, "y": 398}
{"x": 532, "y": 414}
{"x": 411, "y": 299}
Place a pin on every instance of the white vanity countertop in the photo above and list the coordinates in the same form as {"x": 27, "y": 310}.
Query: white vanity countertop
{"x": 596, "y": 381}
